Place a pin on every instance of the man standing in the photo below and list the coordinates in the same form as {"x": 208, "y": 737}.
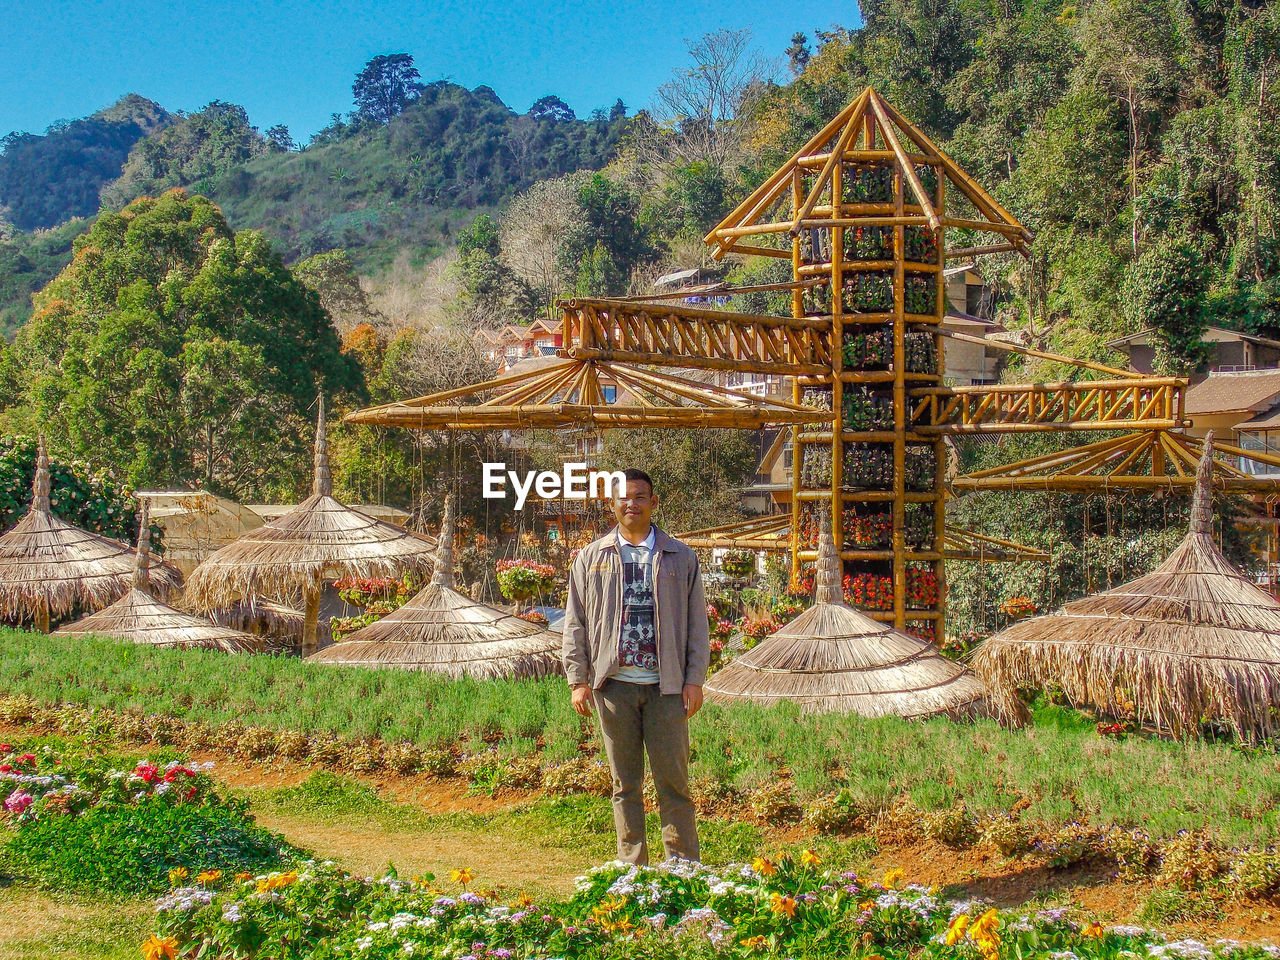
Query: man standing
{"x": 635, "y": 643}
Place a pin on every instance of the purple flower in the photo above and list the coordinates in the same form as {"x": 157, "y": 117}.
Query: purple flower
{"x": 472, "y": 899}
{"x": 502, "y": 953}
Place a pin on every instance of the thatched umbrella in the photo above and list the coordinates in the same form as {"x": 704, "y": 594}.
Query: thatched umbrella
{"x": 443, "y": 631}
{"x": 833, "y": 658}
{"x": 49, "y": 567}
{"x": 294, "y": 554}
{"x": 1193, "y": 640}
{"x": 262, "y": 618}
{"x": 140, "y": 617}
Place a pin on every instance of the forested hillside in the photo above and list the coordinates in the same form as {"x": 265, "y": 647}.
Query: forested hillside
{"x": 403, "y": 171}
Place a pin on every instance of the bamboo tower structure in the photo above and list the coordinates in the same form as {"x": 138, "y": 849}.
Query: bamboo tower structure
{"x": 834, "y": 658}
{"x": 865, "y": 204}
{"x": 443, "y": 631}
{"x": 569, "y": 393}
{"x": 1192, "y": 641}
{"x": 49, "y": 568}
{"x": 294, "y": 554}
{"x": 141, "y": 618}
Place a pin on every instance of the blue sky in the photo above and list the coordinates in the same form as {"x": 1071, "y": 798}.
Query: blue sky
{"x": 292, "y": 62}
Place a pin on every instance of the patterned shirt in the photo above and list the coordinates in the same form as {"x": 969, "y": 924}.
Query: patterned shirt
{"x": 638, "y": 638}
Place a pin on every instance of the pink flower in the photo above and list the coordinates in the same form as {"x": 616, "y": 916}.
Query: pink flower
{"x": 18, "y": 801}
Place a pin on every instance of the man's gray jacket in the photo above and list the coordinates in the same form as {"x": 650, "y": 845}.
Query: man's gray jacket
{"x": 593, "y": 618}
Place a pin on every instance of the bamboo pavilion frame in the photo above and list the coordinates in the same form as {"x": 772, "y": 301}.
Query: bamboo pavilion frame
{"x": 570, "y": 393}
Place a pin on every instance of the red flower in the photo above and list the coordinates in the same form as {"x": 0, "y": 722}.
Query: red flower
{"x": 6, "y": 748}
{"x": 6, "y": 768}
{"x": 149, "y": 772}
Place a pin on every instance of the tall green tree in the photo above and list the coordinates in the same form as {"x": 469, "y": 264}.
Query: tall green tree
{"x": 387, "y": 84}
{"x": 175, "y": 351}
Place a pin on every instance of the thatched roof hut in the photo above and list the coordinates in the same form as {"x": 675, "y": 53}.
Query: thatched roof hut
{"x": 293, "y": 555}
{"x": 141, "y": 618}
{"x": 444, "y": 631}
{"x": 834, "y": 658}
{"x": 272, "y": 621}
{"x": 49, "y": 567}
{"x": 1193, "y": 640}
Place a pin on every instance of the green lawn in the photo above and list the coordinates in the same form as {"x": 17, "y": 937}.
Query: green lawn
{"x": 1059, "y": 769}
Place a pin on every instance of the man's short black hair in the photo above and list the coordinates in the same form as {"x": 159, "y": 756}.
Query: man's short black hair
{"x": 634, "y": 474}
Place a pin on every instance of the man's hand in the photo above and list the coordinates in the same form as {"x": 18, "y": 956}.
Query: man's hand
{"x": 582, "y": 698}
{"x": 692, "y": 700}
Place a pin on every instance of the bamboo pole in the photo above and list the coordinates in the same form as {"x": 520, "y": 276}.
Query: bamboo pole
{"x": 899, "y": 388}
{"x": 797, "y": 308}
{"x": 311, "y": 619}
{"x": 41, "y": 615}
{"x": 940, "y": 447}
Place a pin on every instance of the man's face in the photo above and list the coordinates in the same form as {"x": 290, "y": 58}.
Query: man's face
{"x": 636, "y": 506}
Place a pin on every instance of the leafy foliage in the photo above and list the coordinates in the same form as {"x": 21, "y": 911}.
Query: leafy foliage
{"x": 91, "y": 501}
{"x": 176, "y": 351}
{"x": 47, "y": 180}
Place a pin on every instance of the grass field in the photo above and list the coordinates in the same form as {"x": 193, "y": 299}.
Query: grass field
{"x": 1058, "y": 770}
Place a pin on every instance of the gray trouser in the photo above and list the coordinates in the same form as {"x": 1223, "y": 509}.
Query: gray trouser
{"x": 636, "y": 719}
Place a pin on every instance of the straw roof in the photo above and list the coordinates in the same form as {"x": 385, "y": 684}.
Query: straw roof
{"x": 141, "y": 618}
{"x": 1193, "y": 640}
{"x": 259, "y": 615}
{"x": 291, "y": 555}
{"x": 443, "y": 631}
{"x": 47, "y": 565}
{"x": 833, "y": 658}
{"x": 563, "y": 393}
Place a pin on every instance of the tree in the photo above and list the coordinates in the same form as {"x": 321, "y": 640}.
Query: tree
{"x": 333, "y": 278}
{"x": 605, "y": 240}
{"x": 798, "y": 53}
{"x": 618, "y": 111}
{"x": 533, "y": 233}
{"x": 174, "y": 351}
{"x": 387, "y": 84}
{"x": 280, "y": 139}
{"x": 701, "y": 103}
{"x": 551, "y": 107}
{"x": 1164, "y": 290}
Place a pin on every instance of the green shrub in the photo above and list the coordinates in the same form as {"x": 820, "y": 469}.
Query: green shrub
{"x": 835, "y": 813}
{"x": 1189, "y": 861}
{"x": 131, "y": 849}
{"x": 1007, "y": 835}
{"x": 1256, "y": 874}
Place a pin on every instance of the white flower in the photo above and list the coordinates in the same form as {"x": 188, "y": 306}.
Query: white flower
{"x": 375, "y": 927}
{"x": 231, "y": 913}
{"x": 364, "y": 943}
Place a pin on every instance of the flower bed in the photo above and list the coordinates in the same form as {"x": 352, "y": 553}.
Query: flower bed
{"x": 868, "y": 292}
{"x": 377, "y": 596}
{"x": 922, "y": 588}
{"x": 816, "y": 398}
{"x": 815, "y": 467}
{"x": 869, "y": 591}
{"x": 524, "y": 579}
{"x": 867, "y": 465}
{"x": 85, "y": 825}
{"x": 867, "y": 183}
{"x": 863, "y": 410}
{"x": 921, "y": 465}
{"x": 920, "y": 244}
{"x": 817, "y": 300}
{"x": 870, "y": 350}
{"x": 783, "y": 907}
{"x": 862, "y": 244}
{"x": 738, "y": 563}
{"x": 920, "y": 293}
{"x": 920, "y": 353}
{"x": 918, "y": 530}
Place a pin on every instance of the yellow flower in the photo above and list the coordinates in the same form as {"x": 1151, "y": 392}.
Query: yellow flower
{"x": 463, "y": 876}
{"x": 985, "y": 925}
{"x": 893, "y": 878}
{"x": 1093, "y": 929}
{"x": 754, "y": 943}
{"x": 989, "y": 947}
{"x": 155, "y": 948}
{"x": 177, "y": 875}
{"x": 783, "y": 904}
{"x": 524, "y": 900}
{"x": 866, "y": 905}
{"x": 209, "y": 876}
{"x": 241, "y": 877}
{"x": 956, "y": 929}
{"x": 278, "y": 882}
{"x": 766, "y": 868}
{"x": 810, "y": 859}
